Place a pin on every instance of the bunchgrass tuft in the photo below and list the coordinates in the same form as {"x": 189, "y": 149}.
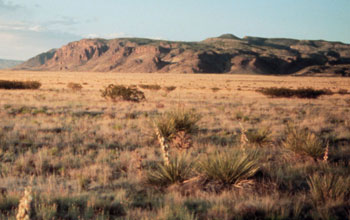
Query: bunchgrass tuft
{"x": 329, "y": 188}
{"x": 6, "y": 84}
{"x": 260, "y": 137}
{"x": 303, "y": 142}
{"x": 229, "y": 168}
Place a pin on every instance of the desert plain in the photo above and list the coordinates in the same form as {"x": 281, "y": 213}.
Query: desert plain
{"x": 87, "y": 157}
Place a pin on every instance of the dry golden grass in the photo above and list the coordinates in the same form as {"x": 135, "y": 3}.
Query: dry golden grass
{"x": 81, "y": 149}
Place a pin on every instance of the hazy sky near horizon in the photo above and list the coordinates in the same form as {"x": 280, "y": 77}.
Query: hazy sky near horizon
{"x": 30, "y": 27}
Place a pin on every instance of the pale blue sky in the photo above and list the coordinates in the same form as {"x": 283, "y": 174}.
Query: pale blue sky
{"x": 29, "y": 27}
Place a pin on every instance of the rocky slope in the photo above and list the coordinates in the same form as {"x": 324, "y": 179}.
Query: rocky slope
{"x": 224, "y": 54}
{"x": 4, "y": 64}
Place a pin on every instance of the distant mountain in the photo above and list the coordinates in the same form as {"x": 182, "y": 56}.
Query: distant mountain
{"x": 224, "y": 54}
{"x": 5, "y": 64}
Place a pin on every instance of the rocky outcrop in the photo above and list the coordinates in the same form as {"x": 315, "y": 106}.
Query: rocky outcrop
{"x": 224, "y": 54}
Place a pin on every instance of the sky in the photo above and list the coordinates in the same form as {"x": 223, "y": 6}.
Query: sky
{"x": 30, "y": 27}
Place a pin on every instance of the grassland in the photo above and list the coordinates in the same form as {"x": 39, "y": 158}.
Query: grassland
{"x": 86, "y": 157}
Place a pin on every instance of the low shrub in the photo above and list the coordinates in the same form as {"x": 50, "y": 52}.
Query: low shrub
{"x": 169, "y": 88}
{"x": 303, "y": 142}
{"x": 74, "y": 86}
{"x": 6, "y": 84}
{"x": 150, "y": 87}
{"x": 215, "y": 89}
{"x": 119, "y": 92}
{"x": 229, "y": 168}
{"x": 305, "y": 93}
{"x": 178, "y": 170}
{"x": 343, "y": 91}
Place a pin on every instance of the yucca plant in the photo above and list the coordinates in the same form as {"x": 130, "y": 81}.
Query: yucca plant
{"x": 175, "y": 121}
{"x": 229, "y": 168}
{"x": 170, "y": 124}
{"x": 303, "y": 142}
{"x": 177, "y": 170}
{"x": 328, "y": 188}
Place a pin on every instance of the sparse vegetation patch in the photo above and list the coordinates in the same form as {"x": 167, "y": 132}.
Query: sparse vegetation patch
{"x": 120, "y": 92}
{"x": 6, "y": 84}
{"x": 74, "y": 86}
{"x": 150, "y": 87}
{"x": 304, "y": 93}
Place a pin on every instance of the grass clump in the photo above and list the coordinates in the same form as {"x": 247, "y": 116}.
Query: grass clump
{"x": 260, "y": 137}
{"x": 177, "y": 170}
{"x": 6, "y": 84}
{"x": 150, "y": 87}
{"x": 169, "y": 88}
{"x": 302, "y": 141}
{"x": 304, "y": 93}
{"x": 329, "y": 188}
{"x": 229, "y": 168}
{"x": 74, "y": 86}
{"x": 120, "y": 92}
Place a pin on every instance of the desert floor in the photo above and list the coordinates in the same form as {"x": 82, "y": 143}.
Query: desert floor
{"x": 86, "y": 157}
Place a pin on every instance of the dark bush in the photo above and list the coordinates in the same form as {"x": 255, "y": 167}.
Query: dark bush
{"x": 6, "y": 84}
{"x": 304, "y": 93}
{"x": 119, "y": 92}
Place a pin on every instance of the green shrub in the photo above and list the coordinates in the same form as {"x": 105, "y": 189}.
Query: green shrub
{"x": 178, "y": 170}
{"x": 6, "y": 84}
{"x": 119, "y": 92}
{"x": 171, "y": 123}
{"x": 305, "y": 93}
{"x": 150, "y": 87}
{"x": 329, "y": 187}
{"x": 229, "y": 168}
{"x": 303, "y": 142}
{"x": 259, "y": 137}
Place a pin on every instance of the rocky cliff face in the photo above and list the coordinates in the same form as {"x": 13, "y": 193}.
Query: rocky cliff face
{"x": 225, "y": 54}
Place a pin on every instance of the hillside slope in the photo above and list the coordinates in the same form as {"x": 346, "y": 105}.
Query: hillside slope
{"x": 4, "y": 64}
{"x": 224, "y": 54}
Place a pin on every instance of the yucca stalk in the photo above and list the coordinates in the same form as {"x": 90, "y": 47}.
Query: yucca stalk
{"x": 25, "y": 208}
{"x": 164, "y": 146}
